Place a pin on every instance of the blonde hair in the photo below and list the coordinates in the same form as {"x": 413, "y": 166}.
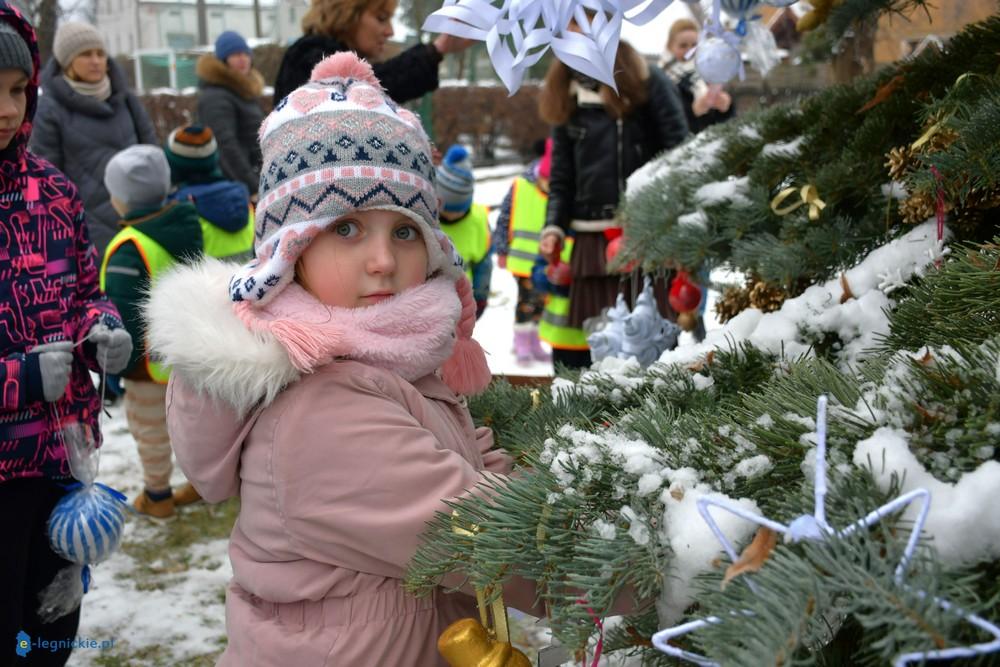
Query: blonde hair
{"x": 338, "y": 18}
{"x": 679, "y": 26}
{"x": 556, "y": 104}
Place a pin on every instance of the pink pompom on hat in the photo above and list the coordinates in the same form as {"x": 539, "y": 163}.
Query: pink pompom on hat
{"x": 338, "y": 144}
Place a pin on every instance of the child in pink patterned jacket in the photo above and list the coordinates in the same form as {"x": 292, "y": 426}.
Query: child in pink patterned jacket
{"x": 323, "y": 382}
{"x": 49, "y": 304}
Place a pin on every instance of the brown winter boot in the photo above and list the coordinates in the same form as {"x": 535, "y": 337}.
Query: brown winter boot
{"x": 186, "y": 495}
{"x": 157, "y": 509}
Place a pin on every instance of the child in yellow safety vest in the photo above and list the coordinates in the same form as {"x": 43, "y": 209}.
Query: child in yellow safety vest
{"x": 155, "y": 236}
{"x": 464, "y": 222}
{"x": 518, "y": 230}
{"x": 224, "y": 209}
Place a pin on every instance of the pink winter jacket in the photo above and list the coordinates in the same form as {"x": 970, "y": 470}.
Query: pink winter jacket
{"x": 337, "y": 476}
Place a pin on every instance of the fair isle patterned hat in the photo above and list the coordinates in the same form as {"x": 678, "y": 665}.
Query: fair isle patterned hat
{"x": 337, "y": 144}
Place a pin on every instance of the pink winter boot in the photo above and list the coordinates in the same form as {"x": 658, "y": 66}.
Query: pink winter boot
{"x": 522, "y": 344}
{"x": 537, "y": 351}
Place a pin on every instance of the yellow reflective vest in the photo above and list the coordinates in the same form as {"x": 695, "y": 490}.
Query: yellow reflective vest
{"x": 527, "y": 218}
{"x": 228, "y": 245}
{"x": 470, "y": 236}
{"x": 554, "y": 328}
{"x": 156, "y": 259}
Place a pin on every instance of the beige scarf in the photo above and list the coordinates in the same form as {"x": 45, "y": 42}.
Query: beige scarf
{"x": 101, "y": 90}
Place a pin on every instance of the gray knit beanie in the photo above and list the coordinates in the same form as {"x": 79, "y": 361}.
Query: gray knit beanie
{"x": 14, "y": 53}
{"x": 139, "y": 177}
{"x": 74, "y": 38}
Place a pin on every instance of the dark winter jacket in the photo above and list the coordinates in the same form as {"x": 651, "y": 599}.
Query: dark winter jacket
{"x": 80, "y": 134}
{"x": 48, "y": 292}
{"x": 176, "y": 228}
{"x": 405, "y": 77}
{"x": 593, "y": 153}
{"x": 229, "y": 103}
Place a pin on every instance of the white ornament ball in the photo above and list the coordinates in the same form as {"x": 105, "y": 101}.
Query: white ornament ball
{"x": 716, "y": 61}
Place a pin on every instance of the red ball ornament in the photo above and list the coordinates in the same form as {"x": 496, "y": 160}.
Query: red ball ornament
{"x": 614, "y": 247}
{"x": 684, "y": 295}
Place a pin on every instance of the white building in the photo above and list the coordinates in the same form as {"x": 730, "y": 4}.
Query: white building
{"x": 134, "y": 25}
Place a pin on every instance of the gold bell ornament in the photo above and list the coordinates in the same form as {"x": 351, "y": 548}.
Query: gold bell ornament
{"x": 484, "y": 642}
{"x": 476, "y": 643}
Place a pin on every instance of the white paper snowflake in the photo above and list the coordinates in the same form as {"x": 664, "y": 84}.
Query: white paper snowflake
{"x": 517, "y": 33}
{"x": 815, "y": 527}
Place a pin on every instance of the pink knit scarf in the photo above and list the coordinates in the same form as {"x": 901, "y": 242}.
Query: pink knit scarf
{"x": 412, "y": 333}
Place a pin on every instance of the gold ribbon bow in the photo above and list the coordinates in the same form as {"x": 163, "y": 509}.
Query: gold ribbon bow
{"x": 808, "y": 196}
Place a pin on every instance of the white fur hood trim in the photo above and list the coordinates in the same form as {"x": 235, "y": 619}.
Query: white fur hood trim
{"x": 192, "y": 328}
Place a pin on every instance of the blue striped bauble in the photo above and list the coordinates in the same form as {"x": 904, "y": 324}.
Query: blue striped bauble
{"x": 738, "y": 8}
{"x": 86, "y": 524}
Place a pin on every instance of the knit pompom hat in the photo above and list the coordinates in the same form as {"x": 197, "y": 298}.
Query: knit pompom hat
{"x": 455, "y": 180}
{"x": 334, "y": 145}
{"x": 339, "y": 144}
{"x": 191, "y": 151}
{"x": 72, "y": 39}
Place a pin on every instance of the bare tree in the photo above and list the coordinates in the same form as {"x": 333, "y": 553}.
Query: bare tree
{"x": 45, "y": 15}
{"x": 415, "y": 12}
{"x": 79, "y": 10}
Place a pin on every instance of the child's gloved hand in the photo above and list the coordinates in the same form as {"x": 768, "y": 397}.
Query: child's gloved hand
{"x": 55, "y": 362}
{"x": 114, "y": 347}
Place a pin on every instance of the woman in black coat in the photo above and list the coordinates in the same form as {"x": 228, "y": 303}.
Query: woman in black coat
{"x": 229, "y": 103}
{"x": 363, "y": 26}
{"x": 599, "y": 138}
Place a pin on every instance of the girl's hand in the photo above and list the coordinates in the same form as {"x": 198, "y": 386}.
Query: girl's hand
{"x": 445, "y": 43}
{"x": 55, "y": 363}
{"x": 114, "y": 347}
{"x": 723, "y": 101}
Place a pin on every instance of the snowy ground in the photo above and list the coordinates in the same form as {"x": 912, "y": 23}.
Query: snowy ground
{"x": 161, "y": 597}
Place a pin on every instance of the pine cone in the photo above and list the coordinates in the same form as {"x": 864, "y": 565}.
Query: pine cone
{"x": 898, "y": 161}
{"x": 941, "y": 140}
{"x": 732, "y": 302}
{"x": 917, "y": 208}
{"x": 965, "y": 218}
{"x": 767, "y": 298}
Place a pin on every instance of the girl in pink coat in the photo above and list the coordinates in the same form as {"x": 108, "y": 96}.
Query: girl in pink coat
{"x": 322, "y": 383}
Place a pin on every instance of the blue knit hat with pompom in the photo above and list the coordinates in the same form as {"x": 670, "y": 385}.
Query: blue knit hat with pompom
{"x": 455, "y": 181}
